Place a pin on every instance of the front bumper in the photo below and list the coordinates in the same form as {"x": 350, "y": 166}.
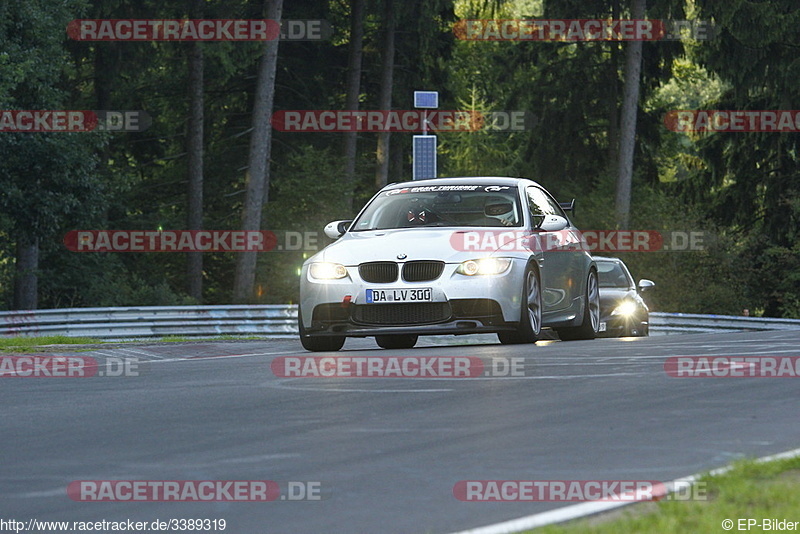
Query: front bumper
{"x": 619, "y": 326}
{"x": 459, "y": 304}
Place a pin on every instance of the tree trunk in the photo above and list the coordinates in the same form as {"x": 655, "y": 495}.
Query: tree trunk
{"x": 353, "y": 91}
{"x": 630, "y": 104}
{"x": 257, "y": 178}
{"x": 194, "y": 151}
{"x": 613, "y": 102}
{"x": 396, "y": 163}
{"x": 385, "y": 99}
{"x": 26, "y": 282}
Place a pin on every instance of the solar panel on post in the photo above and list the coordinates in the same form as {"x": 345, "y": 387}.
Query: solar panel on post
{"x": 424, "y": 146}
{"x": 426, "y": 99}
{"x": 424, "y": 156}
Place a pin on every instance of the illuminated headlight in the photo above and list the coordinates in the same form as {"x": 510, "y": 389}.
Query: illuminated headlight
{"x": 626, "y": 308}
{"x": 327, "y": 271}
{"x": 484, "y": 266}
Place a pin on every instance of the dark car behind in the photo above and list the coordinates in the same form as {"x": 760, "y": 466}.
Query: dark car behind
{"x": 623, "y": 311}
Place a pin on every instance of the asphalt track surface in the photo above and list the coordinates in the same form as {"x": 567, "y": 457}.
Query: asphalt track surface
{"x": 387, "y": 451}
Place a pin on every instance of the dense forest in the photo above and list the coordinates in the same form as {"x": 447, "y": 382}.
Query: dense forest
{"x": 210, "y": 159}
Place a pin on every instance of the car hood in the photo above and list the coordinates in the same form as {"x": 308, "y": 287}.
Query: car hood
{"x": 386, "y": 245}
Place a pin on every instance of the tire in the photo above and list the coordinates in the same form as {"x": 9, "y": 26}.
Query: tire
{"x": 530, "y": 321}
{"x": 398, "y": 341}
{"x": 318, "y": 343}
{"x": 591, "y": 314}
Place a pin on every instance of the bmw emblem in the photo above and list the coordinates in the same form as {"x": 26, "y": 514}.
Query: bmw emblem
{"x": 401, "y": 256}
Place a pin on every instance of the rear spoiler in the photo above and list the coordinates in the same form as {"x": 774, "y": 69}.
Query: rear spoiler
{"x": 568, "y": 206}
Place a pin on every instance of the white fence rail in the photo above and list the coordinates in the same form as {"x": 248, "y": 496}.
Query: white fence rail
{"x": 155, "y": 321}
{"x": 272, "y": 320}
{"x": 668, "y": 323}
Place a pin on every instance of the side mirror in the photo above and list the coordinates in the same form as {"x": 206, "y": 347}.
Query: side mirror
{"x": 553, "y": 223}
{"x": 645, "y": 285}
{"x": 336, "y": 229}
{"x": 568, "y": 206}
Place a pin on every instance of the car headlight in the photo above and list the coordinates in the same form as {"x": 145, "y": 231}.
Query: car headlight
{"x": 327, "y": 271}
{"x": 484, "y": 266}
{"x": 626, "y": 308}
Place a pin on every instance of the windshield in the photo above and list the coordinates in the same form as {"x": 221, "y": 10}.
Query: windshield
{"x": 611, "y": 274}
{"x": 442, "y": 205}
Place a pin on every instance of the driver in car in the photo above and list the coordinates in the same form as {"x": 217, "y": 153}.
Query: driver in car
{"x": 500, "y": 209}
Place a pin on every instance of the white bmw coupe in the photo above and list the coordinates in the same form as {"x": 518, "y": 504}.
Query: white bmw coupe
{"x": 451, "y": 256}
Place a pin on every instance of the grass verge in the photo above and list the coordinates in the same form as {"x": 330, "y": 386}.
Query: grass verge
{"x": 33, "y": 344}
{"x": 37, "y": 344}
{"x": 750, "y": 490}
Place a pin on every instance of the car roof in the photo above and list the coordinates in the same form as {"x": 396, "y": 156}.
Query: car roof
{"x": 466, "y": 180}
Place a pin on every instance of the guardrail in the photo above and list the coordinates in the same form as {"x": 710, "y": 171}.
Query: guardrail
{"x": 683, "y": 323}
{"x": 153, "y": 321}
{"x": 276, "y": 320}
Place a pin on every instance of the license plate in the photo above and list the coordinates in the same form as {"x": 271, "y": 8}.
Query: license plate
{"x": 379, "y": 296}
{"x": 602, "y": 327}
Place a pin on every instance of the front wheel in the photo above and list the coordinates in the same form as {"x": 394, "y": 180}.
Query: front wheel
{"x": 399, "y": 341}
{"x": 530, "y": 323}
{"x": 318, "y": 343}
{"x": 591, "y": 314}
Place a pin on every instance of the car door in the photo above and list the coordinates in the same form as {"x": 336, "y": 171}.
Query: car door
{"x": 562, "y": 256}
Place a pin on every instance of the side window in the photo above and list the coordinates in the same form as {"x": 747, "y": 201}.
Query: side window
{"x": 541, "y": 204}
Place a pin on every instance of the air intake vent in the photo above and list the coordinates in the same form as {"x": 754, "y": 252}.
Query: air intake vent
{"x": 402, "y": 314}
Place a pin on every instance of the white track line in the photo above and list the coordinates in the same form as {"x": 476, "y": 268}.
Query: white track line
{"x": 584, "y": 509}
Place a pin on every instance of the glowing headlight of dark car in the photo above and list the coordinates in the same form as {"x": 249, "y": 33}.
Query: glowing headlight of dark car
{"x": 625, "y": 308}
{"x": 484, "y": 266}
{"x": 327, "y": 271}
